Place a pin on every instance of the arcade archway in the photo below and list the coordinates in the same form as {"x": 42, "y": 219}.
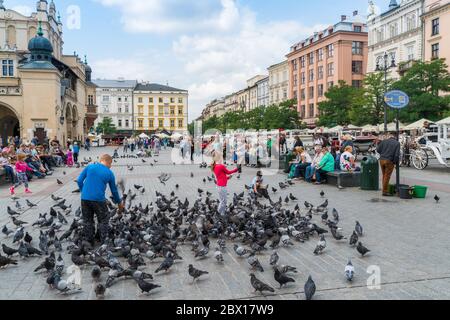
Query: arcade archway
{"x": 9, "y": 124}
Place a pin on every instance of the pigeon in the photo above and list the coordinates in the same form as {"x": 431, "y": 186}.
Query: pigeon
{"x": 96, "y": 273}
{"x": 4, "y": 262}
{"x": 28, "y": 238}
{"x": 32, "y": 250}
{"x": 321, "y": 245}
{"x": 274, "y": 190}
{"x": 287, "y": 269}
{"x": 354, "y": 239}
{"x": 192, "y": 175}
{"x": 336, "y": 234}
{"x": 325, "y": 217}
{"x": 281, "y": 278}
{"x": 322, "y": 194}
{"x": 9, "y": 251}
{"x": 166, "y": 264}
{"x": 361, "y": 249}
{"x": 335, "y": 215}
{"x": 59, "y": 264}
{"x": 6, "y": 231}
{"x": 260, "y": 286}
{"x": 11, "y": 212}
{"x": 349, "y": 271}
{"x": 254, "y": 262}
{"x": 195, "y": 274}
{"x": 54, "y": 198}
{"x": 359, "y": 229}
{"x": 23, "y": 251}
{"x": 274, "y": 258}
{"x": 310, "y": 288}
{"x": 48, "y": 264}
{"x": 138, "y": 187}
{"x": 240, "y": 251}
{"x": 218, "y": 255}
{"x": 436, "y": 198}
{"x": 18, "y": 235}
{"x": 177, "y": 186}
{"x": 291, "y": 196}
{"x": 17, "y": 222}
{"x": 202, "y": 253}
{"x": 59, "y": 182}
{"x": 146, "y": 287}
{"x": 100, "y": 290}
{"x": 30, "y": 204}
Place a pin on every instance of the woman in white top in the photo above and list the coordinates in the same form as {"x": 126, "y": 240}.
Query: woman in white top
{"x": 304, "y": 162}
{"x": 348, "y": 161}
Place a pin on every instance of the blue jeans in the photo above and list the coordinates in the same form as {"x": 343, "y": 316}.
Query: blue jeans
{"x": 300, "y": 170}
{"x": 321, "y": 175}
{"x": 10, "y": 173}
{"x": 309, "y": 173}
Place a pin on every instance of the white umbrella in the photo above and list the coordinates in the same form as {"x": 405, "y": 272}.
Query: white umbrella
{"x": 176, "y": 135}
{"x": 352, "y": 127}
{"x": 143, "y": 136}
{"x": 417, "y": 125}
{"x": 336, "y": 129}
{"x": 391, "y": 127}
{"x": 370, "y": 128}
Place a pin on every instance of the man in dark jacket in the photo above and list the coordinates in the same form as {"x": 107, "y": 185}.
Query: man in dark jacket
{"x": 389, "y": 150}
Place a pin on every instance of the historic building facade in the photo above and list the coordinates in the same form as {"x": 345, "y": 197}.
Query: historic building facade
{"x": 436, "y": 23}
{"x": 321, "y": 61}
{"x": 397, "y": 32}
{"x": 158, "y": 107}
{"x": 42, "y": 91}
{"x": 115, "y": 101}
{"x": 278, "y": 82}
{"x": 263, "y": 92}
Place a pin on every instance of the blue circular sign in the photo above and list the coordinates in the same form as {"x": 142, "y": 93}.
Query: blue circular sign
{"x": 396, "y": 99}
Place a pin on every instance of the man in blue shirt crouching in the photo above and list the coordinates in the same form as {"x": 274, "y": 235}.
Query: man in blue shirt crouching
{"x": 92, "y": 183}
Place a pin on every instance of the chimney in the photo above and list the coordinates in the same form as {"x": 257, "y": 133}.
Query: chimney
{"x": 343, "y": 18}
{"x": 355, "y": 13}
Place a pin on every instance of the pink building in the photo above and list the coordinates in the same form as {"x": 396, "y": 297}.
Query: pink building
{"x": 321, "y": 61}
{"x": 436, "y": 21}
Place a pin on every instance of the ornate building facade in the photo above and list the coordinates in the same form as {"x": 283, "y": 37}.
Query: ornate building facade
{"x": 42, "y": 91}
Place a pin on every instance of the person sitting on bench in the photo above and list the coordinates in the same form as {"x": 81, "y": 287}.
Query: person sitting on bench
{"x": 347, "y": 161}
{"x": 325, "y": 166}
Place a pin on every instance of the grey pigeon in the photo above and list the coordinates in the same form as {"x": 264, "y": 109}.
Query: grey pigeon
{"x": 361, "y": 249}
{"x": 321, "y": 245}
{"x": 281, "y": 278}
{"x": 310, "y": 288}
{"x": 260, "y": 286}
{"x": 274, "y": 258}
{"x": 349, "y": 271}
{"x": 195, "y": 273}
{"x": 359, "y": 229}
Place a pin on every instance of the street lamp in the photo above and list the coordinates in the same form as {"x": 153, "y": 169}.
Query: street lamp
{"x": 383, "y": 64}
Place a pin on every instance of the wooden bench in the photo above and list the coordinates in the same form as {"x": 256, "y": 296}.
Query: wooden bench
{"x": 344, "y": 179}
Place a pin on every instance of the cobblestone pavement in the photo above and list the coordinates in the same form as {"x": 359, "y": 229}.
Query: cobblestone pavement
{"x": 409, "y": 241}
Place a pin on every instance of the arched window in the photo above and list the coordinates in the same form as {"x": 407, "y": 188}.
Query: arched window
{"x": 11, "y": 36}
{"x": 31, "y": 33}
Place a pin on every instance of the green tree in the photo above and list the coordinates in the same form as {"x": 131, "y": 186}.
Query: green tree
{"x": 426, "y": 83}
{"x": 106, "y": 126}
{"x": 341, "y": 100}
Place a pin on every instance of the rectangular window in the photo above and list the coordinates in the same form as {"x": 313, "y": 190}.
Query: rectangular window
{"x": 311, "y": 92}
{"x": 161, "y": 100}
{"x": 302, "y": 94}
{"x": 119, "y": 99}
{"x": 320, "y": 54}
{"x": 180, "y": 100}
{"x": 151, "y": 123}
{"x": 127, "y": 109}
{"x": 320, "y": 90}
{"x": 330, "y": 69}
{"x": 180, "y": 110}
{"x": 140, "y": 99}
{"x": 311, "y": 75}
{"x": 105, "y": 98}
{"x": 435, "y": 51}
{"x": 357, "y": 67}
{"x": 161, "y": 123}
{"x": 356, "y": 83}
{"x": 151, "y": 110}
{"x": 120, "y": 123}
{"x": 311, "y": 58}
{"x": 311, "y": 110}
{"x": 410, "y": 51}
{"x": 357, "y": 29}
{"x": 141, "y": 110}
{"x": 320, "y": 72}
{"x": 140, "y": 123}
{"x": 180, "y": 123}
{"x": 119, "y": 110}
{"x": 302, "y": 61}
{"x": 161, "y": 111}
{"x": 303, "y": 112}
{"x": 435, "y": 27}
{"x": 8, "y": 68}
{"x": 294, "y": 65}
{"x": 330, "y": 84}
{"x": 303, "y": 78}
{"x": 172, "y": 100}
{"x": 330, "y": 50}
{"x": 90, "y": 100}
{"x": 150, "y": 100}
{"x": 295, "y": 80}
{"x": 357, "y": 47}
{"x": 127, "y": 123}
{"x": 172, "y": 111}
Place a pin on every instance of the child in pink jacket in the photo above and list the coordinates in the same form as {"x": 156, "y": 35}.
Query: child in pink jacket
{"x": 21, "y": 172}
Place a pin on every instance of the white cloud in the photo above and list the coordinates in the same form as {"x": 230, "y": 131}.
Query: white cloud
{"x": 216, "y": 54}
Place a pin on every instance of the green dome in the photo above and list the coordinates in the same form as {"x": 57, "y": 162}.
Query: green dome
{"x": 40, "y": 44}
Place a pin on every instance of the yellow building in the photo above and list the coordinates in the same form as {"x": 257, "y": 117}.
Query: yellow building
{"x": 42, "y": 91}
{"x": 157, "y": 108}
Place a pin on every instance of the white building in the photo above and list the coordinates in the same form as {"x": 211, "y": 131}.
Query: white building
{"x": 115, "y": 101}
{"x": 398, "y": 32}
{"x": 278, "y": 82}
{"x": 263, "y": 92}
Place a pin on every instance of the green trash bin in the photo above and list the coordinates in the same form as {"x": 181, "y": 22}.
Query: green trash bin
{"x": 370, "y": 174}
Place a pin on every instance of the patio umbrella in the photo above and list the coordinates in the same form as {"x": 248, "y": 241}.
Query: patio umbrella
{"x": 417, "y": 125}
{"x": 337, "y": 129}
{"x": 370, "y": 128}
{"x": 143, "y": 136}
{"x": 444, "y": 121}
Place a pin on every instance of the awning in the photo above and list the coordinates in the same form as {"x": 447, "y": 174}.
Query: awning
{"x": 444, "y": 121}
{"x": 417, "y": 125}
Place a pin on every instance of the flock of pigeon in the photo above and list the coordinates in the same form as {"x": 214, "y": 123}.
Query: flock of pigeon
{"x": 152, "y": 233}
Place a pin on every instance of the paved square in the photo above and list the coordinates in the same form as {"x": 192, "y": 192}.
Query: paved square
{"x": 408, "y": 239}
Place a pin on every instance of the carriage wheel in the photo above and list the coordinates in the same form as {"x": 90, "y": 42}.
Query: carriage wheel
{"x": 419, "y": 159}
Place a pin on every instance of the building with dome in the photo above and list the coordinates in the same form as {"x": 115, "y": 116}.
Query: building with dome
{"x": 43, "y": 92}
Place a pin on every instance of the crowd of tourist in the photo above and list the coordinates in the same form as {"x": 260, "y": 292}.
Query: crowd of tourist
{"x": 24, "y": 161}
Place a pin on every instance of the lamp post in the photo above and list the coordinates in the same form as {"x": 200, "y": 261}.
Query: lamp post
{"x": 384, "y": 65}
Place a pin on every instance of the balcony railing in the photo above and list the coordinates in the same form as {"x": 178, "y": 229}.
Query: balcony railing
{"x": 71, "y": 93}
{"x": 405, "y": 66}
{"x": 92, "y": 109}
